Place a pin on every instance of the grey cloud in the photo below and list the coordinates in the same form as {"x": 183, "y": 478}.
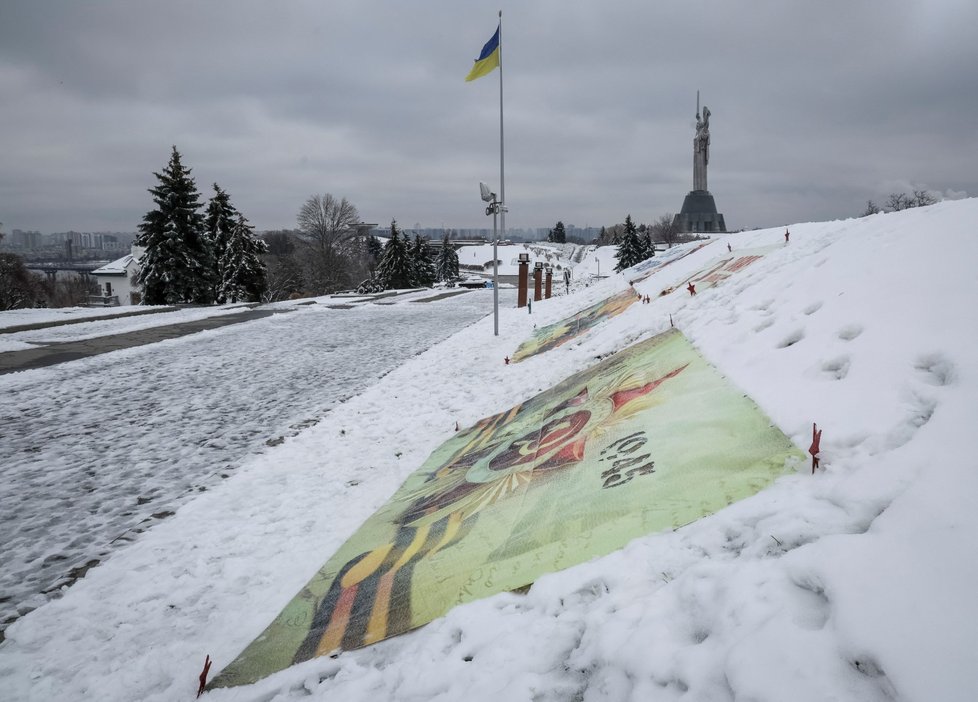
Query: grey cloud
{"x": 816, "y": 107}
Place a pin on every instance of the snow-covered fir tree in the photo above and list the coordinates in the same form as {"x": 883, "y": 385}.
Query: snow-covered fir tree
{"x": 423, "y": 267}
{"x": 395, "y": 267}
{"x": 374, "y": 251}
{"x": 178, "y": 264}
{"x": 446, "y": 264}
{"x": 243, "y": 277}
{"x": 630, "y": 248}
{"x": 220, "y": 220}
{"x": 648, "y": 246}
{"x": 557, "y": 235}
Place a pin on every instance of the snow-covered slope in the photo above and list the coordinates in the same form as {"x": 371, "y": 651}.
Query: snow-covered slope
{"x": 857, "y": 583}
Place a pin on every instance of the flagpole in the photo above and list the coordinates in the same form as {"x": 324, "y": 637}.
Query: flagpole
{"x": 502, "y": 170}
{"x": 502, "y": 190}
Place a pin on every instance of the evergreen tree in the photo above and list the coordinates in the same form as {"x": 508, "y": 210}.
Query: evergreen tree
{"x": 242, "y": 270}
{"x": 178, "y": 264}
{"x": 220, "y": 221}
{"x": 374, "y": 251}
{"x": 423, "y": 267}
{"x": 648, "y": 246}
{"x": 557, "y": 235}
{"x": 394, "y": 268}
{"x": 629, "y": 247}
{"x": 447, "y": 263}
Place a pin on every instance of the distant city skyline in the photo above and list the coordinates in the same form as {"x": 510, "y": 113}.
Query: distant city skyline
{"x": 15, "y": 237}
{"x": 814, "y": 110}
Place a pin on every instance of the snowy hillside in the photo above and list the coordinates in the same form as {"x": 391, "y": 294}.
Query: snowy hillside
{"x": 857, "y": 583}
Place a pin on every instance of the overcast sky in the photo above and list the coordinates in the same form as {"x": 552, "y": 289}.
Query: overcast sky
{"x": 816, "y": 107}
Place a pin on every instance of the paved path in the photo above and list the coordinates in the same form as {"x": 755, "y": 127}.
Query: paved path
{"x": 51, "y": 354}
{"x": 54, "y": 353}
{"x": 81, "y": 320}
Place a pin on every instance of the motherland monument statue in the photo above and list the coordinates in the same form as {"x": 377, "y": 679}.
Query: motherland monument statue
{"x": 701, "y": 148}
{"x": 699, "y": 213}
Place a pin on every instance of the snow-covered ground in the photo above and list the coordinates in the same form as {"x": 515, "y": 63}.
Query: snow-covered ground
{"x": 857, "y": 583}
{"x": 97, "y": 450}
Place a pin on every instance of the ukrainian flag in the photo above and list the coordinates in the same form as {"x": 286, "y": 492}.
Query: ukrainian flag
{"x": 488, "y": 59}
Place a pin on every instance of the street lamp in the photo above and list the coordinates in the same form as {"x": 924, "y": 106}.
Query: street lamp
{"x": 494, "y": 208}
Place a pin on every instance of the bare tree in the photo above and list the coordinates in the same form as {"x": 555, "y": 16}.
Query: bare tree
{"x": 901, "y": 201}
{"x": 18, "y": 286}
{"x": 327, "y": 225}
{"x": 871, "y": 209}
{"x": 665, "y": 229}
{"x": 71, "y": 291}
{"x": 922, "y": 198}
{"x": 898, "y": 201}
{"x": 328, "y": 221}
{"x": 283, "y": 265}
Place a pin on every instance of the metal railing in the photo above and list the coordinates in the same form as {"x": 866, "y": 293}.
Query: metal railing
{"x": 103, "y": 300}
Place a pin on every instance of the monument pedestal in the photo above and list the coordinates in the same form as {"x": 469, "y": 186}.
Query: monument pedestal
{"x": 699, "y": 214}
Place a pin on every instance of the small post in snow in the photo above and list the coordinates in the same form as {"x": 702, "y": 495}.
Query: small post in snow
{"x": 203, "y": 676}
{"x": 814, "y": 448}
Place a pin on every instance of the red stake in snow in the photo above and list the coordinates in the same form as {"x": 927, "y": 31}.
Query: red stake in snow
{"x": 203, "y": 676}
{"x": 814, "y": 449}
{"x": 691, "y": 288}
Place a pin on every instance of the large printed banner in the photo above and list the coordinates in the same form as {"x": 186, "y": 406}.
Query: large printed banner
{"x": 559, "y": 333}
{"x": 651, "y": 265}
{"x": 649, "y": 439}
{"x": 736, "y": 261}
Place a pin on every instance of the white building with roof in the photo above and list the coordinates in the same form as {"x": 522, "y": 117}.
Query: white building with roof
{"x": 115, "y": 279}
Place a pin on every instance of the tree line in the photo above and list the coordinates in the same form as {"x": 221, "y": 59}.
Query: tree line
{"x": 896, "y": 202}
{"x": 332, "y": 250}
{"x": 202, "y": 257}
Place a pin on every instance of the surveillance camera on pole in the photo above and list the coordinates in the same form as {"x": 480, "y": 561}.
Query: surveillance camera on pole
{"x": 494, "y": 208}
{"x": 487, "y": 194}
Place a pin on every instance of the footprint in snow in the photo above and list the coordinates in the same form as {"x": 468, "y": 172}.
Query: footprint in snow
{"x": 850, "y": 332}
{"x": 792, "y": 339}
{"x": 837, "y": 368}
{"x": 936, "y": 369}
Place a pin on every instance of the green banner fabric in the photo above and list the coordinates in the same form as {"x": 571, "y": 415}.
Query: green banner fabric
{"x": 649, "y": 439}
{"x": 559, "y": 333}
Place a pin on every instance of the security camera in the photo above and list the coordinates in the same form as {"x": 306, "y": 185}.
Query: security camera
{"x": 487, "y": 194}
